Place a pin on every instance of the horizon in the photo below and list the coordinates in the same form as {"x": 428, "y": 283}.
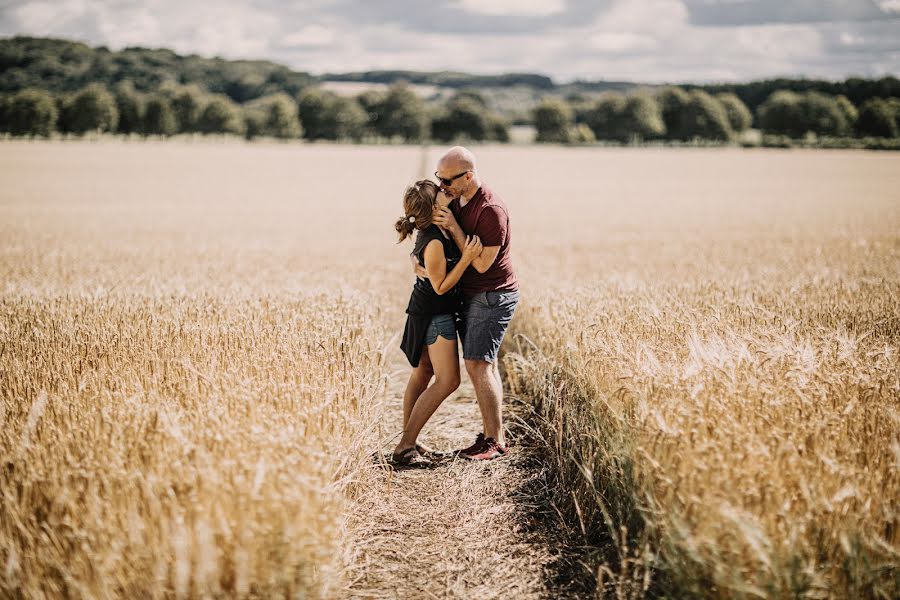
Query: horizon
{"x": 698, "y": 42}
{"x": 325, "y": 75}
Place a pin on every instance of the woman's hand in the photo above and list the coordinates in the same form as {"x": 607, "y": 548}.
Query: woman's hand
{"x": 472, "y": 249}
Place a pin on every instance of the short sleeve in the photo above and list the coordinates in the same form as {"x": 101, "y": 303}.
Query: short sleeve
{"x": 492, "y": 225}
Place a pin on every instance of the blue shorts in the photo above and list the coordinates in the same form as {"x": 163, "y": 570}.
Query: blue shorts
{"x": 486, "y": 317}
{"x": 441, "y": 325}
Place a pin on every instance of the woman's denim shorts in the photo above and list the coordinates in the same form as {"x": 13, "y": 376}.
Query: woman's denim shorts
{"x": 441, "y": 325}
{"x": 486, "y": 317}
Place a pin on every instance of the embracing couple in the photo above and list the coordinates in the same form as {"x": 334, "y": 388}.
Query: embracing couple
{"x": 465, "y": 289}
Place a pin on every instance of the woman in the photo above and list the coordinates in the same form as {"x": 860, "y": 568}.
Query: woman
{"x": 429, "y": 340}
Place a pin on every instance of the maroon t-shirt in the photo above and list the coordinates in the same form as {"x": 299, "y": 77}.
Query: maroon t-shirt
{"x": 485, "y": 215}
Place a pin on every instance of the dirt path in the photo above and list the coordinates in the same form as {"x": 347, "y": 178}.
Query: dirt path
{"x": 457, "y": 530}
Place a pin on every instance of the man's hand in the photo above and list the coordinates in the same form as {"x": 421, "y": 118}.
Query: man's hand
{"x": 444, "y": 218}
{"x": 418, "y": 269}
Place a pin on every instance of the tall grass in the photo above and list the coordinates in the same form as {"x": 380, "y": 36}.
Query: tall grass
{"x": 727, "y": 432}
{"x": 190, "y": 369}
{"x": 194, "y": 341}
{"x": 188, "y": 445}
{"x": 710, "y": 339}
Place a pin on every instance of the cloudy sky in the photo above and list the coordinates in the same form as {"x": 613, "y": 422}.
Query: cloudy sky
{"x": 635, "y": 40}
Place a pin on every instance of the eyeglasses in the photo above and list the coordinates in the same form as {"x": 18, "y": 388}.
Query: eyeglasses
{"x": 446, "y": 181}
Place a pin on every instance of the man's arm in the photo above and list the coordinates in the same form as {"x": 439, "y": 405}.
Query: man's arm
{"x": 445, "y": 219}
{"x": 418, "y": 270}
{"x": 488, "y": 255}
{"x": 492, "y": 228}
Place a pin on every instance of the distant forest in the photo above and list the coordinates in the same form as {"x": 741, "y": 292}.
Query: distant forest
{"x": 52, "y": 85}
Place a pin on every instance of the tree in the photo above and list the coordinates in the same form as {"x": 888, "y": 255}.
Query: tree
{"x": 345, "y": 117}
{"x": 582, "y": 134}
{"x": 822, "y": 115}
{"x": 187, "y": 104}
{"x": 606, "y": 118}
{"x": 254, "y": 120}
{"x": 474, "y": 95}
{"x": 328, "y": 116}
{"x": 31, "y": 112}
{"x": 463, "y": 117}
{"x": 370, "y": 101}
{"x": 674, "y": 103}
{"x": 706, "y": 117}
{"x": 93, "y": 109}
{"x": 553, "y": 120}
{"x": 643, "y": 117}
{"x": 245, "y": 86}
{"x": 739, "y": 116}
{"x": 221, "y": 115}
{"x": 402, "y": 114}
{"x": 5, "y": 102}
{"x": 794, "y": 115}
{"x": 877, "y": 118}
{"x": 159, "y": 119}
{"x": 130, "y": 107}
{"x": 64, "y": 113}
{"x": 313, "y": 105}
{"x": 849, "y": 111}
{"x": 498, "y": 128}
{"x": 781, "y": 113}
{"x": 281, "y": 118}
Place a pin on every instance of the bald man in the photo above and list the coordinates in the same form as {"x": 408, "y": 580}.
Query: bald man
{"x": 489, "y": 286}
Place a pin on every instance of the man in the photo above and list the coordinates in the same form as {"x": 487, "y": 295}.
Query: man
{"x": 489, "y": 286}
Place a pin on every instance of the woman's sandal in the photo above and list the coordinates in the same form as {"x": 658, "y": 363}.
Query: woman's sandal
{"x": 432, "y": 454}
{"x": 410, "y": 458}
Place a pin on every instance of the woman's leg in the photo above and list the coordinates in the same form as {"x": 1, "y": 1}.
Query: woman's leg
{"x": 418, "y": 381}
{"x": 445, "y": 362}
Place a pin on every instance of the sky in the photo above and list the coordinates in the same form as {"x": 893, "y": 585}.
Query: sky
{"x": 652, "y": 41}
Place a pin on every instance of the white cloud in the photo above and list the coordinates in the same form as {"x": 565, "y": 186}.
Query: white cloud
{"x": 42, "y": 18}
{"x": 657, "y": 16}
{"x": 622, "y": 42}
{"x": 309, "y": 35}
{"x": 640, "y": 40}
{"x": 510, "y": 8}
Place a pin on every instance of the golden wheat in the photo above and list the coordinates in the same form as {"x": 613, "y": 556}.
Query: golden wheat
{"x": 194, "y": 340}
{"x": 191, "y": 369}
{"x": 719, "y": 387}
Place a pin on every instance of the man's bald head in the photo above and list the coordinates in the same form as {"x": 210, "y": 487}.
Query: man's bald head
{"x": 457, "y": 166}
{"x": 457, "y": 159}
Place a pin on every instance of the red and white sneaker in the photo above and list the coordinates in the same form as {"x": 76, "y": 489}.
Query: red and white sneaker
{"x": 473, "y": 449}
{"x": 489, "y": 450}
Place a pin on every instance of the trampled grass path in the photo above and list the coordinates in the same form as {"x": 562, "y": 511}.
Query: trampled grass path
{"x": 457, "y": 530}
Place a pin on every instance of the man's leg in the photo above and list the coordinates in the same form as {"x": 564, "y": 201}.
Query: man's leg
{"x": 487, "y": 316}
{"x": 489, "y": 393}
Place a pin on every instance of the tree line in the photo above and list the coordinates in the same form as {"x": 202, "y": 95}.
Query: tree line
{"x": 754, "y": 93}
{"x": 396, "y": 113}
{"x": 49, "y": 86}
{"x": 677, "y": 114}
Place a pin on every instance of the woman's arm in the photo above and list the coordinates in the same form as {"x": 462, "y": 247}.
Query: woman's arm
{"x": 436, "y": 264}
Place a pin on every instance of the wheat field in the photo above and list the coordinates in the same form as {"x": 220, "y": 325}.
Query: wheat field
{"x": 195, "y": 340}
{"x": 714, "y": 366}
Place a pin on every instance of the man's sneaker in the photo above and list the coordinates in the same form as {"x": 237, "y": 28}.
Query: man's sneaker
{"x": 489, "y": 451}
{"x": 473, "y": 449}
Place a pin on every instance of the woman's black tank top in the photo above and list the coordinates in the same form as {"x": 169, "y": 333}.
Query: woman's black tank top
{"x": 424, "y": 300}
